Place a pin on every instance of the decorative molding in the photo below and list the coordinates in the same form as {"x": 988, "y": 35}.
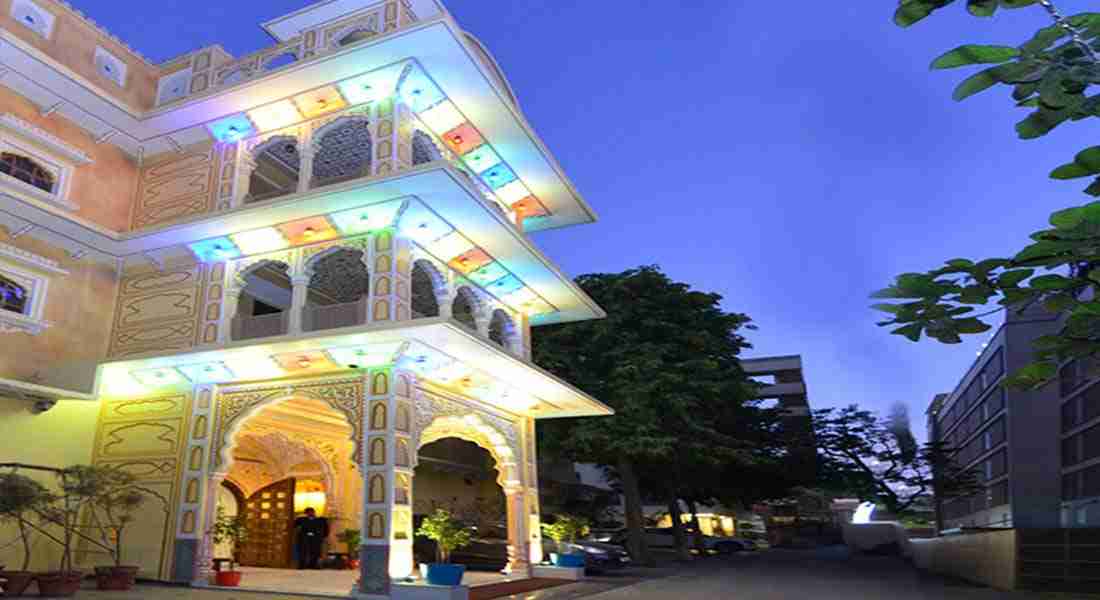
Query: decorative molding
{"x": 30, "y": 259}
{"x": 13, "y": 322}
{"x": 19, "y": 126}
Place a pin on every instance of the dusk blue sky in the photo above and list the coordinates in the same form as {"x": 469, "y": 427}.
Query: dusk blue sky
{"x": 793, "y": 157}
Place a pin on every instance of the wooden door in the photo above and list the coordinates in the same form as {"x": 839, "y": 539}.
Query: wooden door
{"x": 269, "y": 519}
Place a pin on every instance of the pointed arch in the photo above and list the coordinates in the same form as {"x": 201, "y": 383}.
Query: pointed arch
{"x": 424, "y": 149}
{"x": 465, "y": 307}
{"x": 342, "y": 150}
{"x": 263, "y": 300}
{"x": 277, "y": 168}
{"x": 427, "y": 282}
{"x": 27, "y": 170}
{"x": 502, "y": 329}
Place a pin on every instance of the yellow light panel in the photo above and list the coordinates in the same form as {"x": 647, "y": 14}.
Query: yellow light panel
{"x": 319, "y": 101}
{"x": 449, "y": 246}
{"x": 442, "y": 117}
{"x": 308, "y": 231}
{"x": 275, "y": 116}
{"x": 259, "y": 241}
{"x": 253, "y": 366}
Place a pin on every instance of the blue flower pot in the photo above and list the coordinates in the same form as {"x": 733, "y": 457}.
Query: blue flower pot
{"x": 573, "y": 559}
{"x": 443, "y": 573}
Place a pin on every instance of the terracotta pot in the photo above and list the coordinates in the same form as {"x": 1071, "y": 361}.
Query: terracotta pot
{"x": 115, "y": 578}
{"x": 15, "y": 582}
{"x": 227, "y": 578}
{"x": 58, "y": 585}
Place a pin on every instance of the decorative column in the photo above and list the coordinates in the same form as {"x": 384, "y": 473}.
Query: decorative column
{"x": 198, "y": 494}
{"x": 242, "y": 177}
{"x": 390, "y": 269}
{"x": 386, "y": 552}
{"x": 298, "y": 295}
{"x": 518, "y": 554}
{"x": 230, "y": 302}
{"x": 529, "y": 465}
{"x": 392, "y": 136}
{"x": 307, "y": 150}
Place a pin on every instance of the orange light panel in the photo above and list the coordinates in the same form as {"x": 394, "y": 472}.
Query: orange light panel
{"x": 308, "y": 231}
{"x": 530, "y": 207}
{"x": 470, "y": 260}
{"x": 319, "y": 101}
{"x": 463, "y": 138}
{"x": 304, "y": 362}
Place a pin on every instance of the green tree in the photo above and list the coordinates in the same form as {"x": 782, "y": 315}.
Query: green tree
{"x": 876, "y": 459}
{"x": 665, "y": 359}
{"x": 1051, "y": 75}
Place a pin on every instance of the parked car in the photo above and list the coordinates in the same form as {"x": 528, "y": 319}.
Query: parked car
{"x": 598, "y": 556}
{"x": 662, "y": 537}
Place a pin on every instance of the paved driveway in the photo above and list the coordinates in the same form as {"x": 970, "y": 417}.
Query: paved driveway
{"x": 827, "y": 574}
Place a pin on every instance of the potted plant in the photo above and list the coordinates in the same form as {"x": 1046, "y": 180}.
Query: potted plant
{"x": 351, "y": 538}
{"x": 230, "y": 530}
{"x": 20, "y": 498}
{"x": 64, "y": 514}
{"x": 564, "y": 531}
{"x": 111, "y": 497}
{"x": 449, "y": 534}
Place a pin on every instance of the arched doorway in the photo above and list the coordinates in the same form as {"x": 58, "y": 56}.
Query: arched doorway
{"x": 278, "y": 166}
{"x": 289, "y": 455}
{"x": 339, "y": 287}
{"x": 264, "y": 303}
{"x": 462, "y": 477}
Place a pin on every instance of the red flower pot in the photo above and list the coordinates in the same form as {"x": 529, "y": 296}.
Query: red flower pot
{"x": 115, "y": 578}
{"x": 58, "y": 585}
{"x": 227, "y": 578}
{"x": 15, "y": 582}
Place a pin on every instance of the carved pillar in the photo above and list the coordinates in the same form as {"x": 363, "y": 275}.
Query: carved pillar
{"x": 307, "y": 150}
{"x": 230, "y": 302}
{"x": 390, "y": 269}
{"x": 246, "y": 164}
{"x": 391, "y": 136}
{"x": 298, "y": 294}
{"x": 386, "y": 550}
{"x": 518, "y": 553}
{"x": 530, "y": 475}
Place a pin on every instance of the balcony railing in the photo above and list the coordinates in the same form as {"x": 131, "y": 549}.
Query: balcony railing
{"x": 332, "y": 316}
{"x": 250, "y": 328}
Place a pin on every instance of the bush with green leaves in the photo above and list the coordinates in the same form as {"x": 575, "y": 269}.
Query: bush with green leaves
{"x": 448, "y": 533}
{"x": 228, "y": 529}
{"x": 351, "y": 538}
{"x": 1051, "y": 75}
{"x": 566, "y": 528}
{"x": 20, "y": 500}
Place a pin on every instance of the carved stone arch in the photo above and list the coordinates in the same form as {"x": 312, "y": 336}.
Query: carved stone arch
{"x": 280, "y": 444}
{"x": 235, "y": 407}
{"x": 425, "y": 272}
{"x": 424, "y": 148}
{"x": 368, "y": 27}
{"x": 246, "y": 267}
{"x": 438, "y": 418}
{"x": 503, "y": 329}
{"x": 309, "y": 264}
{"x": 342, "y": 148}
{"x": 465, "y": 296}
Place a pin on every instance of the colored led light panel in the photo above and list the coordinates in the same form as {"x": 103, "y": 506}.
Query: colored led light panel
{"x": 259, "y": 241}
{"x": 504, "y": 286}
{"x": 487, "y": 274}
{"x": 364, "y": 356}
{"x": 231, "y": 128}
{"x": 366, "y": 218}
{"x": 370, "y": 86}
{"x": 450, "y": 373}
{"x": 419, "y": 92}
{"x": 424, "y": 360}
{"x": 469, "y": 261}
{"x": 498, "y": 176}
{"x": 215, "y": 250}
{"x": 513, "y": 192}
{"x": 537, "y": 306}
{"x": 516, "y": 298}
{"x": 421, "y": 224}
{"x": 308, "y": 231}
{"x": 463, "y": 138}
{"x": 211, "y": 372}
{"x": 482, "y": 159}
{"x": 159, "y": 377}
{"x": 297, "y": 362}
{"x": 275, "y": 115}
{"x": 449, "y": 246}
{"x": 319, "y": 101}
{"x": 442, "y": 117}
{"x": 530, "y": 207}
{"x": 254, "y": 366}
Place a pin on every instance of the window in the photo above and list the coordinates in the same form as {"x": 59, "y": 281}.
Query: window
{"x": 1090, "y": 443}
{"x": 1070, "y": 486}
{"x": 1069, "y": 415}
{"x": 110, "y": 66}
{"x": 998, "y": 494}
{"x": 1070, "y": 453}
{"x": 994, "y": 368}
{"x": 24, "y": 281}
{"x": 174, "y": 86}
{"x": 1090, "y": 403}
{"x": 995, "y": 466}
{"x": 33, "y": 17}
{"x": 27, "y": 170}
{"x": 1090, "y": 482}
{"x": 996, "y": 401}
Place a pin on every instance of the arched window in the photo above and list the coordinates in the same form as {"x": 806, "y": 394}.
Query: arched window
{"x": 344, "y": 151}
{"x": 424, "y": 303}
{"x": 26, "y": 170}
{"x": 13, "y": 297}
{"x": 338, "y": 291}
{"x": 277, "y": 169}
{"x": 424, "y": 149}
{"x": 264, "y": 302}
{"x": 501, "y": 328}
{"x": 463, "y": 308}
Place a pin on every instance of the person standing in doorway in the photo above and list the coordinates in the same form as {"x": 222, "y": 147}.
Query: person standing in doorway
{"x": 310, "y": 532}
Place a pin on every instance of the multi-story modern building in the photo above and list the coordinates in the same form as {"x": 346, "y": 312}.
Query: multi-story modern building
{"x": 1080, "y": 443}
{"x": 1009, "y": 439}
{"x": 305, "y": 263}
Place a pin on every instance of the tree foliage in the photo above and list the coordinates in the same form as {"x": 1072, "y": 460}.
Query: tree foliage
{"x": 1051, "y": 75}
